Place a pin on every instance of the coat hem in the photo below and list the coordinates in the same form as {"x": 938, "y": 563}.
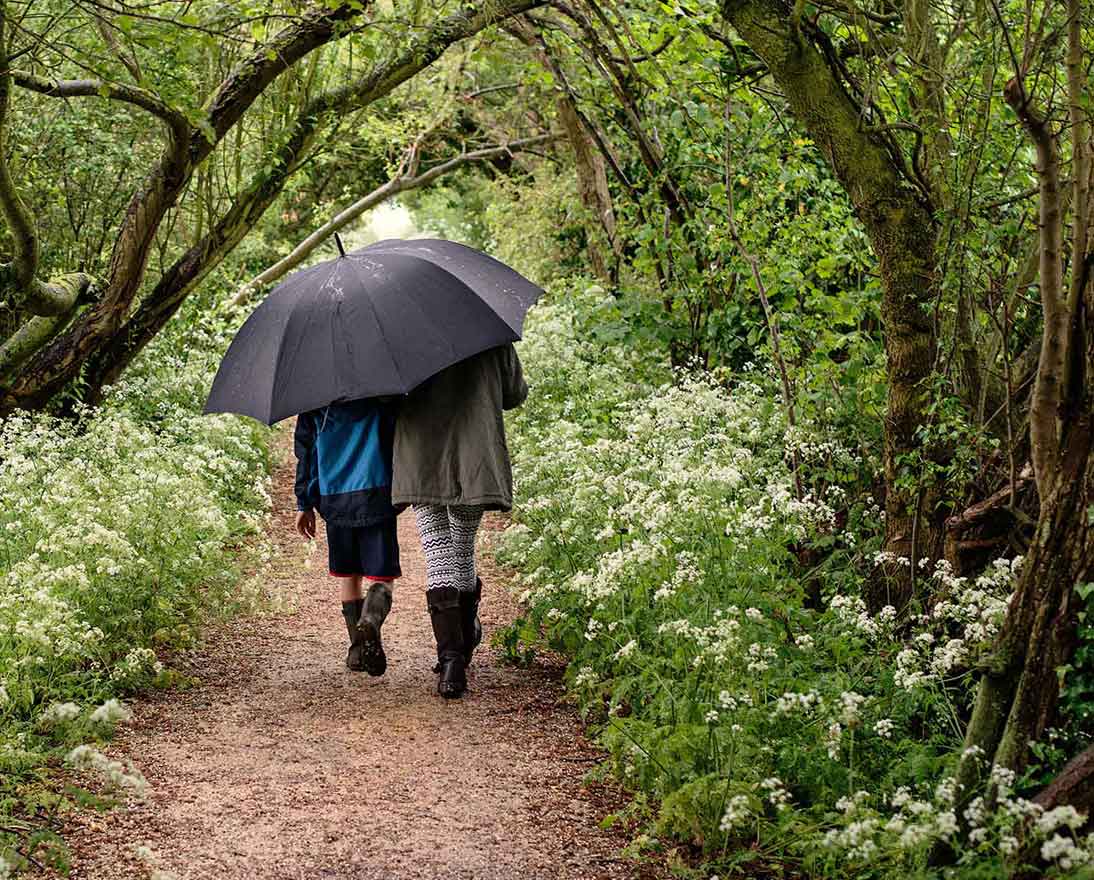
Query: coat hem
{"x": 359, "y": 522}
{"x": 489, "y": 502}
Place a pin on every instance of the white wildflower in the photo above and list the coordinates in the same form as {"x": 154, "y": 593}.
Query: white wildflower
{"x": 1062, "y": 815}
{"x": 111, "y": 712}
{"x": 60, "y": 712}
{"x": 736, "y": 813}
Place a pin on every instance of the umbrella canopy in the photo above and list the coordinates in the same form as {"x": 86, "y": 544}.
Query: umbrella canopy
{"x": 376, "y": 321}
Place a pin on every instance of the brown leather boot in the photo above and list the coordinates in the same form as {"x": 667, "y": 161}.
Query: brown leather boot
{"x": 469, "y": 622}
{"x": 444, "y": 612}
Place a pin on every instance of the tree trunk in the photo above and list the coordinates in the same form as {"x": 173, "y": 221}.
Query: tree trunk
{"x": 904, "y": 240}
{"x": 1018, "y": 693}
{"x": 592, "y": 181}
{"x": 898, "y": 217}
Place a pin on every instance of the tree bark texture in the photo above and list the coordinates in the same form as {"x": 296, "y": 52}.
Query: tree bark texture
{"x": 898, "y": 219}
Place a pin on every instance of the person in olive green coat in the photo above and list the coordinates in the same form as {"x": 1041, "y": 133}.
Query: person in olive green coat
{"x": 451, "y": 463}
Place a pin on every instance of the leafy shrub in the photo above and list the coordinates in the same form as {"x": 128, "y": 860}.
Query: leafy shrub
{"x": 658, "y": 530}
{"x": 119, "y": 533}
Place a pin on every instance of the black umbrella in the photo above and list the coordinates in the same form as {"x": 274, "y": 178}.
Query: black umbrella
{"x": 376, "y": 321}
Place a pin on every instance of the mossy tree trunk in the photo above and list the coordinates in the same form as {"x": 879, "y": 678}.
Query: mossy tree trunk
{"x": 897, "y": 212}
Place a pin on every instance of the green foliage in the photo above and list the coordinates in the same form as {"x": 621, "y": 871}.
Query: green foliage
{"x": 120, "y": 533}
{"x": 658, "y": 535}
{"x": 1077, "y": 695}
{"x": 535, "y": 224}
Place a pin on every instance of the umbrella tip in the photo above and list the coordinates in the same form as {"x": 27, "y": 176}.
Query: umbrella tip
{"x": 338, "y": 241}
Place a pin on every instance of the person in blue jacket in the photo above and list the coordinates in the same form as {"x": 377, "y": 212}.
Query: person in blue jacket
{"x": 343, "y": 470}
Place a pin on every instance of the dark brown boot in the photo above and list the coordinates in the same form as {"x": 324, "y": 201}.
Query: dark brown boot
{"x": 351, "y": 613}
{"x": 469, "y": 622}
{"x": 444, "y": 612}
{"x": 469, "y": 618}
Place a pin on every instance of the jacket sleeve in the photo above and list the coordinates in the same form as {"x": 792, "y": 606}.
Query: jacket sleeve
{"x": 307, "y": 476}
{"x": 514, "y": 390}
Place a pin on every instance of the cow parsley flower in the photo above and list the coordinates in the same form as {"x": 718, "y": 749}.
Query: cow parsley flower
{"x": 737, "y": 812}
{"x": 1061, "y": 815}
{"x": 586, "y": 677}
{"x": 110, "y": 712}
{"x": 58, "y": 713}
{"x": 116, "y": 774}
{"x": 833, "y": 738}
{"x": 777, "y": 794}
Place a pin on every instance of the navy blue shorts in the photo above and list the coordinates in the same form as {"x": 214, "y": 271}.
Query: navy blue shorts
{"x": 370, "y": 551}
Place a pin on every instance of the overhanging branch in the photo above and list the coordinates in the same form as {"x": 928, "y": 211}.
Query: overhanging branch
{"x": 399, "y": 183}
{"x": 84, "y": 88}
{"x": 104, "y": 352}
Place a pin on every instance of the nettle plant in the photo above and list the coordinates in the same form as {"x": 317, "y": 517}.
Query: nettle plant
{"x": 659, "y": 529}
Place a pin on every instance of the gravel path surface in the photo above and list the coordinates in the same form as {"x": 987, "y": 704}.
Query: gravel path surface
{"x": 282, "y": 764}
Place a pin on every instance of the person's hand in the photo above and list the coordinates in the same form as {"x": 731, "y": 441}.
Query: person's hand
{"x": 305, "y": 523}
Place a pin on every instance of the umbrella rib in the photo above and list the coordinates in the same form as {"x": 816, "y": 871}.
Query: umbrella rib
{"x": 376, "y": 319}
{"x": 391, "y": 247}
{"x": 455, "y": 278}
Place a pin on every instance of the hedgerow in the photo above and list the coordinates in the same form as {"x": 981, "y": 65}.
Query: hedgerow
{"x": 120, "y": 533}
{"x": 742, "y": 689}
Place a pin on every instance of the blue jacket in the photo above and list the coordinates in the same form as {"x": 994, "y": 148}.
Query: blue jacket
{"x": 343, "y": 462}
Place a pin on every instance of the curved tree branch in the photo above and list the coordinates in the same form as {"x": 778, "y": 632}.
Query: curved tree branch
{"x": 109, "y": 353}
{"x": 80, "y": 88}
{"x": 399, "y": 183}
{"x": 63, "y": 357}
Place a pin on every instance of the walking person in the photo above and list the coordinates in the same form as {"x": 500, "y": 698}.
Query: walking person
{"x": 430, "y": 319}
{"x": 451, "y": 463}
{"x": 343, "y": 470}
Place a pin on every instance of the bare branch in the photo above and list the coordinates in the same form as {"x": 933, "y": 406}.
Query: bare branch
{"x": 397, "y": 184}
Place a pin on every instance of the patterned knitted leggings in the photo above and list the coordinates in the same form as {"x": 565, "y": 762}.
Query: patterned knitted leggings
{"x": 448, "y": 541}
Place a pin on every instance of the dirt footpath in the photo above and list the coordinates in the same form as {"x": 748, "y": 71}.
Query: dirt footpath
{"x": 282, "y": 764}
